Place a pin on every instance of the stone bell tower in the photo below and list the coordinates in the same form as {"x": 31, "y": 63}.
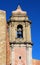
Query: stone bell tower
{"x": 20, "y": 38}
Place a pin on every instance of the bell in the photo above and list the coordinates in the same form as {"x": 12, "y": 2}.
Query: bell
{"x": 19, "y": 29}
{"x": 19, "y": 32}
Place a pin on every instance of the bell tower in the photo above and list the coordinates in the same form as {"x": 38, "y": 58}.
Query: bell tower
{"x": 20, "y": 38}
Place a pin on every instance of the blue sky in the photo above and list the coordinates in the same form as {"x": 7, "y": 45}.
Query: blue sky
{"x": 32, "y": 7}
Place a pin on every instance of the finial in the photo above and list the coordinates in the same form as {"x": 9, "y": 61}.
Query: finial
{"x": 18, "y": 7}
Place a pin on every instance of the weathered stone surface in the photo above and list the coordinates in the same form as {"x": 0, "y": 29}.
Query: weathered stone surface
{"x": 2, "y": 37}
{"x": 7, "y": 49}
{"x": 35, "y": 62}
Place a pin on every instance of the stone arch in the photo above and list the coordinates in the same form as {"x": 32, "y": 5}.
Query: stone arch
{"x": 19, "y": 31}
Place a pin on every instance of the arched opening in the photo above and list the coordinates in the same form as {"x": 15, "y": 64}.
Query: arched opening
{"x": 19, "y": 31}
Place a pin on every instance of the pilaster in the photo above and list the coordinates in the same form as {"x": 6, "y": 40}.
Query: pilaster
{"x": 29, "y": 54}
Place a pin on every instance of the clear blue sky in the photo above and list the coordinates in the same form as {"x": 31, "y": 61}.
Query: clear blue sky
{"x": 32, "y": 7}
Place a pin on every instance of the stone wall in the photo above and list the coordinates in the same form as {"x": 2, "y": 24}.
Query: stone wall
{"x": 2, "y": 37}
{"x": 8, "y": 49}
{"x": 35, "y": 62}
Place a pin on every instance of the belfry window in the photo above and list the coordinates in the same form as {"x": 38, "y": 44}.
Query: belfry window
{"x": 19, "y": 31}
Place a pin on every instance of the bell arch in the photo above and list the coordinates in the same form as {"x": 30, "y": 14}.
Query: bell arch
{"x": 19, "y": 31}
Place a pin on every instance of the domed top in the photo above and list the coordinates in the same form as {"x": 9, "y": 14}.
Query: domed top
{"x": 18, "y": 11}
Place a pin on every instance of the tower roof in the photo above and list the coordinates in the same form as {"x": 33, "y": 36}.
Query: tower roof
{"x": 19, "y": 11}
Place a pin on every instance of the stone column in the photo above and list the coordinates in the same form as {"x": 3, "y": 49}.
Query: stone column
{"x": 29, "y": 33}
{"x": 12, "y": 54}
{"x": 29, "y": 54}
